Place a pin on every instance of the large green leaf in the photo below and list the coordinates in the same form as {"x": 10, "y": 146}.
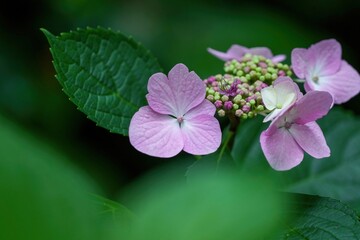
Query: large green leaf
{"x": 42, "y": 195}
{"x": 322, "y": 218}
{"x": 222, "y": 206}
{"x": 337, "y": 176}
{"x": 104, "y": 73}
{"x": 212, "y": 163}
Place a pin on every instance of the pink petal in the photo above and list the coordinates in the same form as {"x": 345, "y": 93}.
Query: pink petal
{"x": 324, "y": 58}
{"x": 202, "y": 134}
{"x": 280, "y": 149}
{"x": 234, "y": 52}
{"x": 204, "y": 108}
{"x": 343, "y": 85}
{"x": 312, "y": 106}
{"x": 284, "y": 92}
{"x": 298, "y": 61}
{"x": 274, "y": 114}
{"x": 221, "y": 55}
{"x": 311, "y": 139}
{"x": 160, "y": 97}
{"x": 188, "y": 88}
{"x": 177, "y": 94}
{"x": 155, "y": 134}
{"x": 261, "y": 51}
{"x": 290, "y": 83}
{"x": 308, "y": 87}
{"x": 278, "y": 58}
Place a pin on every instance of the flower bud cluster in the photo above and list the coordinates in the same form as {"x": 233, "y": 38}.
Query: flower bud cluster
{"x": 237, "y": 92}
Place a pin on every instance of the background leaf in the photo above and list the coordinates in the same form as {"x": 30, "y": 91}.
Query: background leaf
{"x": 322, "y": 218}
{"x": 220, "y": 160}
{"x": 42, "y": 196}
{"x": 337, "y": 177}
{"x": 104, "y": 73}
{"x": 222, "y": 206}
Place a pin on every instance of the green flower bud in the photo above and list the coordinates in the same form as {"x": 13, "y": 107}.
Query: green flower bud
{"x": 221, "y": 113}
{"x": 238, "y": 113}
{"x": 224, "y": 98}
{"x": 268, "y": 76}
{"x": 274, "y": 76}
{"x": 210, "y": 98}
{"x": 251, "y": 114}
{"x": 260, "y": 108}
{"x": 239, "y": 73}
{"x": 237, "y": 99}
{"x": 211, "y": 91}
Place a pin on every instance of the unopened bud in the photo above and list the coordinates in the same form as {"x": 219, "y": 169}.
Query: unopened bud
{"x": 221, "y": 113}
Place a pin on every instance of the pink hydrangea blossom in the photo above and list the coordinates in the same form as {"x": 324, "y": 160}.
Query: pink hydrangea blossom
{"x": 296, "y": 131}
{"x": 323, "y": 69}
{"x": 280, "y": 96}
{"x": 237, "y": 52}
{"x": 178, "y": 117}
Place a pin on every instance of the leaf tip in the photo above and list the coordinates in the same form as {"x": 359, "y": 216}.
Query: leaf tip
{"x": 50, "y": 37}
{"x": 46, "y": 33}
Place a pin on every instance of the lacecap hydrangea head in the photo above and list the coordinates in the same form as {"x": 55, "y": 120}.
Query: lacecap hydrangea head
{"x": 238, "y": 90}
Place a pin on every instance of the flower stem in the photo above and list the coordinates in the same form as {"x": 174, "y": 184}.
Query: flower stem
{"x": 234, "y": 122}
{"x": 225, "y": 144}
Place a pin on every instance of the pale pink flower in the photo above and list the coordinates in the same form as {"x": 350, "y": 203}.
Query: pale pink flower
{"x": 280, "y": 96}
{"x": 296, "y": 131}
{"x": 237, "y": 52}
{"x": 178, "y": 117}
{"x": 323, "y": 69}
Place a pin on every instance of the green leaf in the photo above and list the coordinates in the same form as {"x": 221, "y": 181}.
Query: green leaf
{"x": 322, "y": 218}
{"x": 337, "y": 177}
{"x": 117, "y": 212}
{"x": 104, "y": 73}
{"x": 212, "y": 163}
{"x": 42, "y": 195}
{"x": 246, "y": 149}
{"x": 223, "y": 206}
{"x": 119, "y": 218}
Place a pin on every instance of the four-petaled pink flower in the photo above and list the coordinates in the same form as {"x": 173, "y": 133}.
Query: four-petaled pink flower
{"x": 323, "y": 69}
{"x": 237, "y": 52}
{"x": 296, "y": 131}
{"x": 178, "y": 117}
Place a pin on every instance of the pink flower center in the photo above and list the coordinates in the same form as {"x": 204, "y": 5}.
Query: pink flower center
{"x": 287, "y": 125}
{"x": 315, "y": 79}
{"x": 180, "y": 120}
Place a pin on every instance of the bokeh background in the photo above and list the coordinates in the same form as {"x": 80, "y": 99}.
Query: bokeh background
{"x": 175, "y": 31}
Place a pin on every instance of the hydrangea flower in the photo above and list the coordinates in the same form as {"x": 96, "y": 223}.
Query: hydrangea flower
{"x": 280, "y": 96}
{"x": 178, "y": 117}
{"x": 323, "y": 69}
{"x": 237, "y": 52}
{"x": 296, "y": 131}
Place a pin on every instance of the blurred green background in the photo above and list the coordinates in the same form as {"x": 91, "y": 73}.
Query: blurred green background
{"x": 175, "y": 31}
